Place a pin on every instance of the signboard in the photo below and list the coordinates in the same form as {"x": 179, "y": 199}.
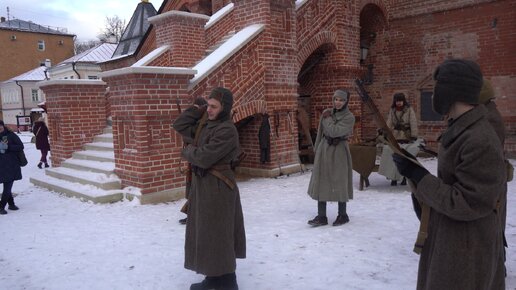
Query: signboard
{"x": 23, "y": 120}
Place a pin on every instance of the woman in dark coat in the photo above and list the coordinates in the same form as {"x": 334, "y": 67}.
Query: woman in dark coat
{"x": 40, "y": 130}
{"x": 10, "y": 170}
{"x": 215, "y": 234}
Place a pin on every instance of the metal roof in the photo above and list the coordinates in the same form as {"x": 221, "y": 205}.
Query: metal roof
{"x": 37, "y": 74}
{"x": 28, "y": 26}
{"x": 99, "y": 53}
{"x": 136, "y": 29}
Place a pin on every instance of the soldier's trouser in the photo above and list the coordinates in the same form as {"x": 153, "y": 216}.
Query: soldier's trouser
{"x": 321, "y": 208}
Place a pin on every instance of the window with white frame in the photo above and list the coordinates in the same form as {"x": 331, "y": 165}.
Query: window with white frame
{"x": 41, "y": 45}
{"x": 35, "y": 95}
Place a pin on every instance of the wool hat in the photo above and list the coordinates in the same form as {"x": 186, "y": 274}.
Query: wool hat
{"x": 225, "y": 97}
{"x": 399, "y": 97}
{"x": 486, "y": 93}
{"x": 457, "y": 80}
{"x": 342, "y": 94}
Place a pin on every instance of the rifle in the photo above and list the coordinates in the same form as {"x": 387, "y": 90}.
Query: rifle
{"x": 428, "y": 151}
{"x": 391, "y": 141}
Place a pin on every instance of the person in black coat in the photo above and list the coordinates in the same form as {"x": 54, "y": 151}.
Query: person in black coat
{"x": 10, "y": 170}
{"x": 40, "y": 130}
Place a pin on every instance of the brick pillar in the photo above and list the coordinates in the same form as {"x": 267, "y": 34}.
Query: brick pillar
{"x": 147, "y": 149}
{"x": 184, "y": 33}
{"x": 76, "y": 113}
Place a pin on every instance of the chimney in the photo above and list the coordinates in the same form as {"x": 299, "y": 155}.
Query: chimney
{"x": 2, "y": 19}
{"x": 48, "y": 63}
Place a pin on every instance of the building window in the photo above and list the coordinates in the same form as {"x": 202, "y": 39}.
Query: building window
{"x": 427, "y": 113}
{"x": 35, "y": 95}
{"x": 93, "y": 77}
{"x": 41, "y": 45}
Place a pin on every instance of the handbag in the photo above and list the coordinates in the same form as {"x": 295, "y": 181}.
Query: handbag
{"x": 22, "y": 160}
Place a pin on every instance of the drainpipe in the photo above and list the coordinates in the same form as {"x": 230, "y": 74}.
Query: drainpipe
{"x": 22, "y": 98}
{"x": 73, "y": 67}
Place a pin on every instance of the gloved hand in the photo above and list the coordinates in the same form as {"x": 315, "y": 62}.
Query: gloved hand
{"x": 326, "y": 114}
{"x": 409, "y": 169}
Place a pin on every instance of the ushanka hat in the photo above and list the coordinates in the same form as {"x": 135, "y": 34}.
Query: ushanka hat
{"x": 456, "y": 80}
{"x": 225, "y": 97}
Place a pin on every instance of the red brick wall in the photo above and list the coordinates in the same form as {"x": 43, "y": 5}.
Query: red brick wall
{"x": 408, "y": 52}
{"x": 221, "y": 28}
{"x": 184, "y": 33}
{"x": 76, "y": 113}
{"x": 147, "y": 149}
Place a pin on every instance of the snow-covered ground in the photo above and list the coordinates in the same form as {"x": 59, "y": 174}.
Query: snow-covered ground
{"x": 55, "y": 242}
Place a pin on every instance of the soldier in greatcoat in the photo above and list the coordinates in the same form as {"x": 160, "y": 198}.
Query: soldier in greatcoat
{"x": 215, "y": 234}
{"x": 332, "y": 175}
{"x": 464, "y": 247}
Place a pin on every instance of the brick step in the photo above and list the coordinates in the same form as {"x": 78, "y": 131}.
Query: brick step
{"x": 83, "y": 192}
{"x": 100, "y": 180}
{"x": 89, "y": 165}
{"x": 106, "y": 137}
{"x": 99, "y": 146}
{"x": 102, "y": 156}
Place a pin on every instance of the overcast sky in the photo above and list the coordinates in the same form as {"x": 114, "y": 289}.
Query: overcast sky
{"x": 84, "y": 18}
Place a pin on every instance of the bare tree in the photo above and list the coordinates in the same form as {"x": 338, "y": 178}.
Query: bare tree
{"x": 81, "y": 46}
{"x": 113, "y": 29}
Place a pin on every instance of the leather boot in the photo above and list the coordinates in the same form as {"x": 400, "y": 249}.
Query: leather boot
{"x": 394, "y": 183}
{"x": 12, "y": 206}
{"x": 39, "y": 165}
{"x": 341, "y": 219}
{"x": 228, "y": 282}
{"x": 404, "y": 181}
{"x": 3, "y": 202}
{"x": 206, "y": 284}
{"x": 183, "y": 221}
{"x": 46, "y": 165}
{"x": 318, "y": 221}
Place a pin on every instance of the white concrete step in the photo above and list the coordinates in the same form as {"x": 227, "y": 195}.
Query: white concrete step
{"x": 84, "y": 192}
{"x": 219, "y": 43}
{"x": 89, "y": 165}
{"x": 99, "y": 146}
{"x": 106, "y": 137}
{"x": 100, "y": 180}
{"x": 108, "y": 130}
{"x": 103, "y": 156}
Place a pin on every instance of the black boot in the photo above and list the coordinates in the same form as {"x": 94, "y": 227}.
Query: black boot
{"x": 341, "y": 219}
{"x": 39, "y": 165}
{"x": 318, "y": 221}
{"x": 404, "y": 181}
{"x": 206, "y": 284}
{"x": 3, "y": 202}
{"x": 46, "y": 165}
{"x": 227, "y": 282}
{"x": 2, "y": 211}
{"x": 394, "y": 183}
{"x": 12, "y": 206}
{"x": 183, "y": 221}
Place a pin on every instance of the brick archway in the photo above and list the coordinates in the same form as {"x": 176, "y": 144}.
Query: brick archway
{"x": 321, "y": 38}
{"x": 248, "y": 109}
{"x": 378, "y": 3}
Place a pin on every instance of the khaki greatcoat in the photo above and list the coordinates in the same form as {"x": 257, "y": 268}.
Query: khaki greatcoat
{"x": 215, "y": 234}
{"x": 464, "y": 247}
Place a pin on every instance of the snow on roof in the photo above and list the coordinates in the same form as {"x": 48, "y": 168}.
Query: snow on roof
{"x": 225, "y": 51}
{"x": 219, "y": 15}
{"x": 99, "y": 53}
{"x": 151, "y": 56}
{"x": 300, "y": 3}
{"x": 37, "y": 74}
{"x": 22, "y": 25}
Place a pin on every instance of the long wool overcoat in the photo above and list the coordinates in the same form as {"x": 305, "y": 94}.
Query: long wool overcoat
{"x": 405, "y": 117}
{"x": 215, "y": 234}
{"x": 332, "y": 175}
{"x": 10, "y": 169}
{"x": 464, "y": 247}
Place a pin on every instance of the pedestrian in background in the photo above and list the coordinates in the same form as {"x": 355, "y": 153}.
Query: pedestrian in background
{"x": 10, "y": 170}
{"x": 40, "y": 131}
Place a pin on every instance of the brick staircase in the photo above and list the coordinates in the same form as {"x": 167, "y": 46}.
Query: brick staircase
{"x": 88, "y": 175}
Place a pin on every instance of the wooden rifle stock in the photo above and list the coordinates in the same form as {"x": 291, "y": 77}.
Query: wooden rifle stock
{"x": 393, "y": 144}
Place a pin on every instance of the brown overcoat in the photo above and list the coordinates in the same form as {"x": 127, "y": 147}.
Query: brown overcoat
{"x": 215, "y": 234}
{"x": 464, "y": 247}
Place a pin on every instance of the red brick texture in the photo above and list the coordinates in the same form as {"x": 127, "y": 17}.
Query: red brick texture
{"x": 76, "y": 113}
{"x": 147, "y": 149}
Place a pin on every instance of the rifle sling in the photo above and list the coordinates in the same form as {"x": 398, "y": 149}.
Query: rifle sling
{"x": 222, "y": 177}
